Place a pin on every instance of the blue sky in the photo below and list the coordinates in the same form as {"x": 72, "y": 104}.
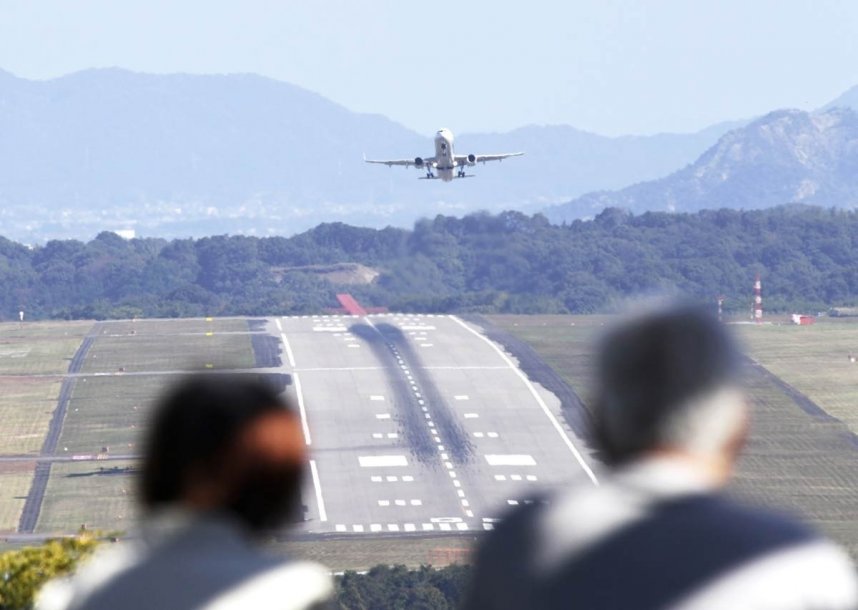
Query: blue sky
{"x": 607, "y": 66}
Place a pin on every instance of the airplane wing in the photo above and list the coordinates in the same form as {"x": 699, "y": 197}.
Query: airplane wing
{"x": 402, "y": 162}
{"x": 484, "y": 158}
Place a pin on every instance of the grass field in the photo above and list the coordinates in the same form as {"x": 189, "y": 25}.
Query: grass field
{"x": 814, "y": 360}
{"x": 26, "y": 406}
{"x": 14, "y": 484}
{"x": 108, "y": 411}
{"x": 794, "y": 460}
{"x": 175, "y": 351}
{"x": 27, "y": 398}
{"x": 38, "y": 348}
{"x": 98, "y": 495}
{"x": 363, "y": 553}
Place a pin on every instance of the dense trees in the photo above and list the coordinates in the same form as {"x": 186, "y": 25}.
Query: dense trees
{"x": 508, "y": 262}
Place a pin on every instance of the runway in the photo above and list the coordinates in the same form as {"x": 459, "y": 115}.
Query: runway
{"x": 419, "y": 423}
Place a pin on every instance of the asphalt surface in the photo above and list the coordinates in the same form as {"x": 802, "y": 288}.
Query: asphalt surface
{"x": 419, "y": 424}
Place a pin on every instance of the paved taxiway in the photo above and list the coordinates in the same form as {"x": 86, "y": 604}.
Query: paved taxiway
{"x": 419, "y": 423}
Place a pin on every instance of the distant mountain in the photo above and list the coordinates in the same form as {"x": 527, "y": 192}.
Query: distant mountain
{"x": 848, "y": 99}
{"x": 787, "y": 156}
{"x": 180, "y": 155}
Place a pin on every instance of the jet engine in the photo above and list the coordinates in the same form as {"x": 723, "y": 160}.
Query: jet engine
{"x": 418, "y": 162}
{"x": 472, "y": 159}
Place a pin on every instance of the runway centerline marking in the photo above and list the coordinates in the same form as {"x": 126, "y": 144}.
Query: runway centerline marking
{"x": 323, "y": 515}
{"x": 566, "y": 440}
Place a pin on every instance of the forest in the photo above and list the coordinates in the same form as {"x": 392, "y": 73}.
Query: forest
{"x": 508, "y": 262}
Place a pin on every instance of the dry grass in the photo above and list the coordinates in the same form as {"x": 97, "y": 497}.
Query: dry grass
{"x": 168, "y": 352}
{"x": 99, "y": 495}
{"x": 362, "y": 553}
{"x": 38, "y": 348}
{"x": 14, "y": 485}
{"x": 26, "y": 406}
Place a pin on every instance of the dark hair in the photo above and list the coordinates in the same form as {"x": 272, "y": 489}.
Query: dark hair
{"x": 651, "y": 368}
{"x": 195, "y": 422}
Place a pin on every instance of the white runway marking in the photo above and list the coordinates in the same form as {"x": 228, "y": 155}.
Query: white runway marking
{"x": 384, "y": 502}
{"x": 471, "y": 415}
{"x": 335, "y": 329}
{"x": 323, "y": 515}
{"x": 357, "y": 528}
{"x": 567, "y": 441}
{"x": 382, "y": 415}
{"x": 340, "y": 528}
{"x": 425, "y": 345}
{"x": 410, "y": 527}
{"x": 462, "y": 397}
{"x": 382, "y": 461}
{"x": 408, "y": 478}
{"x": 375, "y": 527}
{"x": 377, "y": 397}
{"x": 278, "y": 325}
{"x": 392, "y": 527}
{"x": 302, "y": 410}
{"x": 510, "y": 460}
{"x": 288, "y": 348}
{"x": 352, "y": 345}
{"x": 420, "y": 327}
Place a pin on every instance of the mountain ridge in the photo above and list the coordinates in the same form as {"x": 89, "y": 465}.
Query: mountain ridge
{"x": 183, "y": 154}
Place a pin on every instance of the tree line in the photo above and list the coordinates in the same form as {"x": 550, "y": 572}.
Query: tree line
{"x": 508, "y": 262}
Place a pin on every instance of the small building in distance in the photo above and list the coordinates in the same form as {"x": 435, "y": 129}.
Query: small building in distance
{"x": 802, "y": 320}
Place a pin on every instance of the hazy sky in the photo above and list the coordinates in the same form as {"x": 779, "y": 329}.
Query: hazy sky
{"x": 607, "y": 66}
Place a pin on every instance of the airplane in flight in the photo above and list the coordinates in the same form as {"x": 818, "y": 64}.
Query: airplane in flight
{"x": 446, "y": 163}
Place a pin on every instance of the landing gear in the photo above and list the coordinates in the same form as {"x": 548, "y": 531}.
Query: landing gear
{"x": 461, "y": 173}
{"x": 429, "y": 174}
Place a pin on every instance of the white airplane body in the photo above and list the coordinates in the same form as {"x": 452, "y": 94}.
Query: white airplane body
{"x": 446, "y": 164}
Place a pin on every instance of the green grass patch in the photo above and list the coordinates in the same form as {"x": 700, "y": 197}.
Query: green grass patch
{"x": 39, "y": 348}
{"x": 109, "y": 411}
{"x": 98, "y": 494}
{"x": 814, "y": 360}
{"x": 168, "y": 352}
{"x": 563, "y": 342}
{"x": 172, "y": 327}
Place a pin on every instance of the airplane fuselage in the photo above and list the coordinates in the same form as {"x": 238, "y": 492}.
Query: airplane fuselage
{"x": 445, "y": 159}
{"x": 444, "y": 165}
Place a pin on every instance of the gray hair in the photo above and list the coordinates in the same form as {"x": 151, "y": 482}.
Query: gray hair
{"x": 667, "y": 379}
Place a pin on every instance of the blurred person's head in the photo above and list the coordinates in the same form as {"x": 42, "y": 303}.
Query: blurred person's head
{"x": 225, "y": 443}
{"x": 666, "y": 382}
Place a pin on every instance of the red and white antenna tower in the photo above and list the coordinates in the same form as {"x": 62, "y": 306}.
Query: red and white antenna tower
{"x": 758, "y": 300}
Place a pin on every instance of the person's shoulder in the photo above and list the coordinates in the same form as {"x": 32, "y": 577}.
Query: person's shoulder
{"x": 286, "y": 585}
{"x": 813, "y": 574}
{"x": 738, "y": 521}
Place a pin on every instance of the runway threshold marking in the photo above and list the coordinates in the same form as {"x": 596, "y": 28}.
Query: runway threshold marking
{"x": 566, "y": 440}
{"x": 323, "y": 514}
